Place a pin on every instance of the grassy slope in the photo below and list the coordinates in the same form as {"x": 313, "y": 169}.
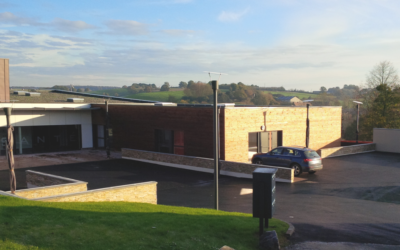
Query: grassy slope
{"x": 299, "y": 95}
{"x": 121, "y": 92}
{"x": 157, "y": 96}
{"x": 28, "y": 224}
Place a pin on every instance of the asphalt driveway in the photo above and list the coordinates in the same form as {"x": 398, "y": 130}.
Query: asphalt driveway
{"x": 353, "y": 199}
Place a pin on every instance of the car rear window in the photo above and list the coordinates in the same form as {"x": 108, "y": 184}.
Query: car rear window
{"x": 311, "y": 154}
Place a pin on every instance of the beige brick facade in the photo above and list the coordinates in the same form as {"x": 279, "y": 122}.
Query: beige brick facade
{"x": 33, "y": 193}
{"x": 145, "y": 192}
{"x": 325, "y": 127}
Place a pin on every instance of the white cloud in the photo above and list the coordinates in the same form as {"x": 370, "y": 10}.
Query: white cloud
{"x": 70, "y": 26}
{"x": 178, "y": 32}
{"x": 10, "y": 18}
{"x": 231, "y": 16}
{"x": 126, "y": 27}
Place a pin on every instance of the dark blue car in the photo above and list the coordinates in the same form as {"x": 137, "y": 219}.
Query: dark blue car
{"x": 301, "y": 159}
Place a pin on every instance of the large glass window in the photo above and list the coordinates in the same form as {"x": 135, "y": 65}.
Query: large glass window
{"x": 40, "y": 139}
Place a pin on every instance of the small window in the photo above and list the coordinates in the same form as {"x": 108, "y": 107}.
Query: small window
{"x": 277, "y": 151}
{"x": 311, "y": 154}
{"x": 296, "y": 153}
{"x": 289, "y": 152}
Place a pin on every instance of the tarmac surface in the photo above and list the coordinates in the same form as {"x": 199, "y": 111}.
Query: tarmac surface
{"x": 354, "y": 198}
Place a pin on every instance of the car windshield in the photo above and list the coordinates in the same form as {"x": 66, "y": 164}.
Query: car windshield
{"x": 311, "y": 154}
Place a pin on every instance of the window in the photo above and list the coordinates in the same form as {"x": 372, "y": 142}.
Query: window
{"x": 170, "y": 141}
{"x": 100, "y": 136}
{"x": 277, "y": 151}
{"x": 263, "y": 142}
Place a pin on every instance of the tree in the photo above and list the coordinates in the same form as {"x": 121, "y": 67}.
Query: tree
{"x": 165, "y": 87}
{"x": 261, "y": 98}
{"x": 87, "y": 90}
{"x": 80, "y": 90}
{"x": 60, "y": 87}
{"x": 148, "y": 89}
{"x": 183, "y": 85}
{"x": 323, "y": 89}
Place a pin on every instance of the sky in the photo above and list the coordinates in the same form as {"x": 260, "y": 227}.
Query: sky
{"x": 302, "y": 44}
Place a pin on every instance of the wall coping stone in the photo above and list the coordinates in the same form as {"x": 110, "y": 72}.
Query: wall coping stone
{"x": 53, "y": 176}
{"x": 95, "y": 190}
{"x": 367, "y": 145}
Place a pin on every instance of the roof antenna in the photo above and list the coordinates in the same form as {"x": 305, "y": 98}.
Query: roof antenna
{"x": 215, "y": 73}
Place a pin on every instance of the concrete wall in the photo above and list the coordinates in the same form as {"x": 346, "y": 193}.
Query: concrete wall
{"x": 4, "y": 80}
{"x": 325, "y": 127}
{"x": 347, "y": 150}
{"x": 47, "y": 117}
{"x": 237, "y": 169}
{"x": 145, "y": 192}
{"x": 387, "y": 140}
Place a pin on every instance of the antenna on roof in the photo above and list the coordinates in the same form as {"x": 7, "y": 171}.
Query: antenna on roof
{"x": 215, "y": 73}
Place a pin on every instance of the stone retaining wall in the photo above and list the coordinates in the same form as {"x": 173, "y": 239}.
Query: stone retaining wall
{"x": 347, "y": 150}
{"x": 145, "y": 192}
{"x": 237, "y": 169}
{"x": 32, "y": 193}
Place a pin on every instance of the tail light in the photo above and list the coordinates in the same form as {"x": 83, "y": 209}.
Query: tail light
{"x": 308, "y": 160}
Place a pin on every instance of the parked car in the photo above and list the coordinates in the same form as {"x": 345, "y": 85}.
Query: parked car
{"x": 301, "y": 159}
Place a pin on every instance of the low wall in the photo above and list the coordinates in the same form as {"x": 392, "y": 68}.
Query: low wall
{"x": 236, "y": 169}
{"x": 38, "y": 179}
{"x": 387, "y": 140}
{"x": 347, "y": 150}
{"x": 32, "y": 193}
{"x": 145, "y": 192}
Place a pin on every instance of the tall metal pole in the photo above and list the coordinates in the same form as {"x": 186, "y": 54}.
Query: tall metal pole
{"x": 216, "y": 142}
{"x": 308, "y": 128}
{"x": 358, "y": 118}
{"x": 107, "y": 135}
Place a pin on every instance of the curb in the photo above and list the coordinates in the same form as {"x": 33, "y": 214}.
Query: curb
{"x": 290, "y": 230}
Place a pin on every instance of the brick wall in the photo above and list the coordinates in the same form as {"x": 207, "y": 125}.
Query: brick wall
{"x": 32, "y": 193}
{"x": 134, "y": 126}
{"x": 325, "y": 127}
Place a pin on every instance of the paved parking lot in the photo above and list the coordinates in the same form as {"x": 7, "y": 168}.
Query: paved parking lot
{"x": 353, "y": 199}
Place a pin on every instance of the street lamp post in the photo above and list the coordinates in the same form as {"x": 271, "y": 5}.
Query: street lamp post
{"x": 216, "y": 142}
{"x": 107, "y": 133}
{"x": 308, "y": 123}
{"x": 358, "y": 118}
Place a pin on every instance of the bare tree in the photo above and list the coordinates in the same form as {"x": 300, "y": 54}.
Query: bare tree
{"x": 382, "y": 73}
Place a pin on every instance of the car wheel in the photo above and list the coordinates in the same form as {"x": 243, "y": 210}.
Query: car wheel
{"x": 297, "y": 169}
{"x": 311, "y": 172}
{"x": 257, "y": 161}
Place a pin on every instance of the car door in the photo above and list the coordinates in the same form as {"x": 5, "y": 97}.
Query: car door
{"x": 272, "y": 158}
{"x": 287, "y": 157}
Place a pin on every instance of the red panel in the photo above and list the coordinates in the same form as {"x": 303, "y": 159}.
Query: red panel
{"x": 179, "y": 151}
{"x": 178, "y": 138}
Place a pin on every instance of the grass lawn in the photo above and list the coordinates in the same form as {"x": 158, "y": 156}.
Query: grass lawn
{"x": 121, "y": 92}
{"x": 28, "y": 224}
{"x": 161, "y": 96}
{"x": 299, "y": 95}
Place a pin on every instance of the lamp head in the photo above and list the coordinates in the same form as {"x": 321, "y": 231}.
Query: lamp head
{"x": 357, "y": 102}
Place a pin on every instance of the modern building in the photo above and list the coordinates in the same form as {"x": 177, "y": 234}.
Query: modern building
{"x": 288, "y": 99}
{"x": 188, "y": 130}
{"x": 47, "y": 127}
{"x": 4, "y": 81}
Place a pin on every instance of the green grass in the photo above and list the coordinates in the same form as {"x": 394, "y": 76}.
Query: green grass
{"x": 121, "y": 92}
{"x": 161, "y": 96}
{"x": 299, "y": 95}
{"x": 28, "y": 224}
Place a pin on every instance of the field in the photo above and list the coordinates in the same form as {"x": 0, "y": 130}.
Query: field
{"x": 299, "y": 95}
{"x": 35, "y": 225}
{"x": 157, "y": 96}
{"x": 50, "y": 97}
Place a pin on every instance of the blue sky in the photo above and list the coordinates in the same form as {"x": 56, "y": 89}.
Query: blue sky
{"x": 296, "y": 44}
